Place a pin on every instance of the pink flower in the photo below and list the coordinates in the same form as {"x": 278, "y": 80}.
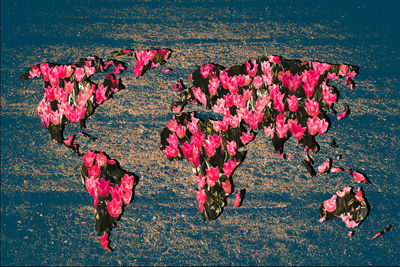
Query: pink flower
{"x": 91, "y": 185}
{"x": 94, "y": 170}
{"x": 201, "y": 197}
{"x": 279, "y": 105}
{"x": 312, "y": 107}
{"x": 257, "y": 82}
{"x": 223, "y": 77}
{"x": 343, "y": 69}
{"x": 320, "y": 67}
{"x": 101, "y": 159}
{"x": 114, "y": 207}
{"x": 127, "y": 196}
{"x": 224, "y": 124}
{"x": 309, "y": 89}
{"x": 332, "y": 76}
{"x": 199, "y": 95}
{"x": 69, "y": 87}
{"x": 88, "y": 158}
{"x": 173, "y": 140}
{"x": 137, "y": 70}
{"x": 324, "y": 167}
{"x": 313, "y": 125}
{"x": 172, "y": 124}
{"x": 50, "y": 93}
{"x": 323, "y": 126}
{"x": 281, "y": 129}
{"x": 55, "y": 117}
{"x": 231, "y": 147}
{"x": 127, "y": 182}
{"x": 103, "y": 188}
{"x": 104, "y": 242}
{"x": 359, "y": 195}
{"x": 342, "y": 193}
{"x": 180, "y": 131}
{"x": 342, "y": 115}
{"x": 215, "y": 139}
{"x": 34, "y": 72}
{"x": 201, "y": 181}
{"x": 176, "y": 108}
{"x": 269, "y": 131}
{"x": 90, "y": 70}
{"x": 210, "y": 149}
{"x": 359, "y": 177}
{"x": 251, "y": 70}
{"x": 266, "y": 68}
{"x": 297, "y": 131}
{"x": 213, "y": 85}
{"x": 69, "y": 141}
{"x": 245, "y": 138}
{"x": 118, "y": 69}
{"x": 198, "y": 139}
{"x": 337, "y": 169}
{"x": 327, "y": 96}
{"x": 237, "y": 200}
{"x": 171, "y": 151}
{"x": 293, "y": 102}
{"x": 187, "y": 150}
{"x": 206, "y": 70}
{"x": 101, "y": 94}
{"x": 233, "y": 85}
{"x": 247, "y": 94}
{"x": 227, "y": 187}
{"x": 330, "y": 204}
{"x": 229, "y": 167}
{"x": 212, "y": 175}
{"x": 79, "y": 74}
{"x": 350, "y": 233}
{"x": 275, "y": 59}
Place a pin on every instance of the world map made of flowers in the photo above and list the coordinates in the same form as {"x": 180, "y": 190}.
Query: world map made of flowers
{"x": 282, "y": 97}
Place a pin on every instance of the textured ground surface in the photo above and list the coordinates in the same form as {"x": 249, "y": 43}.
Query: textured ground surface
{"x": 47, "y": 216}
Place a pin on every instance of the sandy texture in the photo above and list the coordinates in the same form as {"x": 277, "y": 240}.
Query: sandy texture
{"x": 46, "y": 215}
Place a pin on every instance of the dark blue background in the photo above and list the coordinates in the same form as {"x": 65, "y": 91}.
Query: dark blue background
{"x": 45, "y": 213}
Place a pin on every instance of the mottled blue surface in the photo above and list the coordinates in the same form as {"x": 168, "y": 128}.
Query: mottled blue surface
{"x": 42, "y": 226}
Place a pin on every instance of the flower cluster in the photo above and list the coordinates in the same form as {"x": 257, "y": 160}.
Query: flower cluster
{"x": 69, "y": 94}
{"x": 148, "y": 59}
{"x": 282, "y": 97}
{"x": 110, "y": 187}
{"x": 351, "y": 208}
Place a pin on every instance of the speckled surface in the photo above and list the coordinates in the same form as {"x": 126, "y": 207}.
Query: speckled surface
{"x": 46, "y": 214}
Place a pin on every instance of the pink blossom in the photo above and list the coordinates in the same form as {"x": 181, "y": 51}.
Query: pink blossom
{"x": 176, "y": 108}
{"x": 79, "y": 74}
{"x": 54, "y": 80}
{"x": 342, "y": 115}
{"x": 359, "y": 195}
{"x": 245, "y": 138}
{"x": 323, "y": 126}
{"x": 104, "y": 242}
{"x": 308, "y": 89}
{"x": 101, "y": 94}
{"x": 45, "y": 69}
{"x": 281, "y": 129}
{"x": 215, "y": 139}
{"x": 261, "y": 103}
{"x": 343, "y": 69}
{"x": 342, "y": 193}
{"x": 114, "y": 207}
{"x": 324, "y": 167}
{"x": 297, "y": 131}
{"x": 237, "y": 200}
{"x": 273, "y": 90}
{"x": 180, "y": 131}
{"x": 337, "y": 169}
{"x": 233, "y": 85}
{"x": 330, "y": 204}
{"x": 55, "y": 117}
{"x": 359, "y": 177}
{"x": 210, "y": 149}
{"x": 212, "y": 175}
{"x": 234, "y": 121}
{"x": 231, "y": 147}
{"x": 94, "y": 170}
{"x": 199, "y": 95}
{"x": 101, "y": 159}
{"x": 251, "y": 69}
{"x": 201, "y": 197}
{"x": 213, "y": 85}
{"x": 227, "y": 187}
{"x": 88, "y": 158}
{"x": 313, "y": 125}
{"x": 229, "y": 166}
{"x": 127, "y": 196}
{"x": 34, "y": 72}
{"x": 171, "y": 151}
{"x": 224, "y": 124}
{"x": 69, "y": 141}
{"x": 206, "y": 69}
{"x": 320, "y": 67}
{"x": 201, "y": 181}
{"x": 327, "y": 96}
{"x": 187, "y": 150}
{"x": 90, "y": 70}
{"x": 275, "y": 59}
{"x": 312, "y": 107}
{"x": 293, "y": 102}
{"x": 223, "y": 77}
{"x": 266, "y": 68}
{"x": 50, "y": 93}
{"x": 103, "y": 188}
{"x": 127, "y": 182}
{"x": 279, "y": 105}
{"x": 257, "y": 82}
{"x": 198, "y": 139}
{"x": 137, "y": 70}
{"x": 332, "y": 76}
{"x": 268, "y": 79}
{"x": 173, "y": 140}
{"x": 172, "y": 124}
{"x": 269, "y": 131}
{"x": 91, "y": 185}
{"x": 69, "y": 86}
{"x": 247, "y": 94}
